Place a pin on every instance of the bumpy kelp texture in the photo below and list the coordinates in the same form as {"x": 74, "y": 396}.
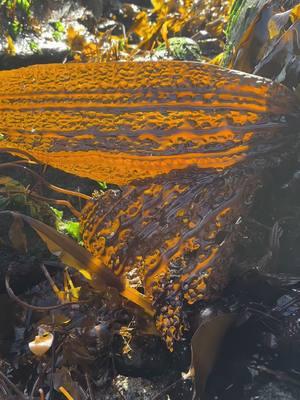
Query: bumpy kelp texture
{"x": 124, "y": 121}
{"x": 187, "y": 142}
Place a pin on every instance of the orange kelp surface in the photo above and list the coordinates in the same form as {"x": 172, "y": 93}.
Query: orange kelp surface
{"x": 188, "y": 142}
{"x": 172, "y": 236}
{"x": 124, "y": 121}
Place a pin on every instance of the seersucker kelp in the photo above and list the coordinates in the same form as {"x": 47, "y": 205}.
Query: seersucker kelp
{"x": 187, "y": 143}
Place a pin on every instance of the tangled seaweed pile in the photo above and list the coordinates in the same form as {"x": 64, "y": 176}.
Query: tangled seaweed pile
{"x": 189, "y": 148}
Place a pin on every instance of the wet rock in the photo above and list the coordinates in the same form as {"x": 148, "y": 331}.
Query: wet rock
{"x": 277, "y": 391}
{"x": 148, "y": 357}
{"x": 180, "y": 48}
{"x": 144, "y": 389}
{"x": 41, "y": 37}
{"x": 138, "y": 388}
{"x": 7, "y": 319}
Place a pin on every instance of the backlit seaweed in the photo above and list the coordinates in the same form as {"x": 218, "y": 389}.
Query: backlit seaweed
{"x": 269, "y": 46}
{"x": 145, "y": 29}
{"x": 187, "y": 143}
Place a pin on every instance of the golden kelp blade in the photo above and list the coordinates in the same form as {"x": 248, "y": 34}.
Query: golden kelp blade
{"x": 205, "y": 346}
{"x": 175, "y": 234}
{"x": 268, "y": 45}
{"x": 124, "y": 121}
{"x": 74, "y": 255}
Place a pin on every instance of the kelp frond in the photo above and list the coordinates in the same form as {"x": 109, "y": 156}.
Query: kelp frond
{"x": 74, "y": 255}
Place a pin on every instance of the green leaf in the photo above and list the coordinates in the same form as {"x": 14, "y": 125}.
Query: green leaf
{"x": 56, "y": 36}
{"x": 59, "y": 29}
{"x": 58, "y": 26}
{"x": 58, "y": 213}
{"x": 24, "y": 5}
{"x": 73, "y": 229}
{"x": 34, "y": 47}
{"x": 103, "y": 185}
{"x": 16, "y": 27}
{"x": 4, "y": 202}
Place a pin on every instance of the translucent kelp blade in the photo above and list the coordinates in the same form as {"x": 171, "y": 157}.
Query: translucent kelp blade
{"x": 270, "y": 44}
{"x": 74, "y": 255}
{"x": 119, "y": 122}
{"x": 205, "y": 347}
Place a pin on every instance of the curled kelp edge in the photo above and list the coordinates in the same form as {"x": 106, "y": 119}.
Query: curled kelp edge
{"x": 77, "y": 257}
{"x": 268, "y": 46}
{"x": 205, "y": 346}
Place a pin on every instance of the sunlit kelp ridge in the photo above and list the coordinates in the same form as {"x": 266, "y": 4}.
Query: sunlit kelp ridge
{"x": 169, "y": 132}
